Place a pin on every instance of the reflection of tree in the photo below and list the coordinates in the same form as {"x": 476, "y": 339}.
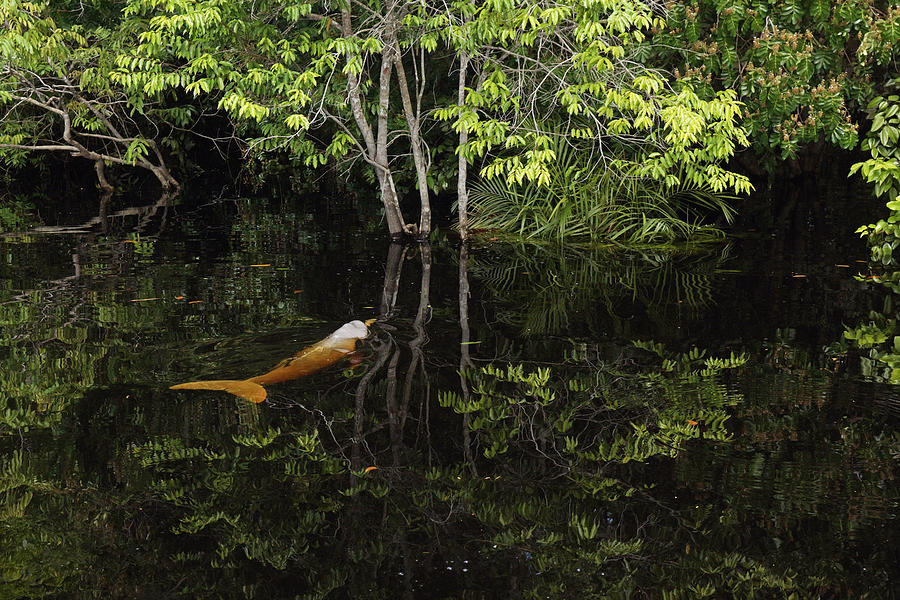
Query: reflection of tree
{"x": 612, "y": 472}
{"x": 540, "y": 287}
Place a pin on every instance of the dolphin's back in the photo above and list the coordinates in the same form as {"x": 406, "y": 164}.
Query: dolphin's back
{"x": 309, "y": 360}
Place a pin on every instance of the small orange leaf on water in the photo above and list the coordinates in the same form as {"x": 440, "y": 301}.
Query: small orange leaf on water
{"x": 179, "y": 297}
{"x": 369, "y": 469}
{"x": 692, "y": 422}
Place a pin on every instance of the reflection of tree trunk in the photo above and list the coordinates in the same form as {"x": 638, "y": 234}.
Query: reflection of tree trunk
{"x": 382, "y": 351}
{"x": 393, "y": 409}
{"x": 415, "y": 345}
{"x": 143, "y": 214}
{"x": 396, "y": 253}
{"x": 87, "y": 230}
{"x": 465, "y": 360}
{"x": 102, "y": 215}
{"x": 392, "y": 269}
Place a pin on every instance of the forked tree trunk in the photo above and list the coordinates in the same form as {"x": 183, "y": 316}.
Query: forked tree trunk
{"x": 376, "y": 141}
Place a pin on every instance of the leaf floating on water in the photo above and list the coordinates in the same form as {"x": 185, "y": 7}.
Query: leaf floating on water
{"x": 370, "y": 469}
{"x": 179, "y": 297}
{"x": 143, "y": 299}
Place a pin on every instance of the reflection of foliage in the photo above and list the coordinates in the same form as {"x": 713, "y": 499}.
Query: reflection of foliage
{"x": 298, "y": 476}
{"x": 809, "y": 476}
{"x": 600, "y": 414}
{"x": 74, "y": 310}
{"x": 541, "y": 287}
{"x": 612, "y": 473}
{"x": 881, "y": 337}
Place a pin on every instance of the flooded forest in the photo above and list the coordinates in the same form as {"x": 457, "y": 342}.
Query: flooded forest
{"x": 500, "y": 299}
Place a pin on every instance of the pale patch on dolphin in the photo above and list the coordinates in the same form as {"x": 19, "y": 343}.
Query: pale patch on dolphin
{"x": 309, "y": 360}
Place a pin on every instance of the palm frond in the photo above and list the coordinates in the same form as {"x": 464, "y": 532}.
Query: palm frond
{"x": 582, "y": 203}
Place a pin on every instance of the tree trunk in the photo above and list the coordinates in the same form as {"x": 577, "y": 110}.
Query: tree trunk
{"x": 396, "y": 224}
{"x": 391, "y": 203}
{"x": 376, "y": 147}
{"x": 462, "y": 192}
{"x": 415, "y": 142}
{"x": 100, "y": 168}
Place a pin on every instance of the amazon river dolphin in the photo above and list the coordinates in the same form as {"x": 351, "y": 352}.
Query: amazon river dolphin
{"x": 309, "y": 360}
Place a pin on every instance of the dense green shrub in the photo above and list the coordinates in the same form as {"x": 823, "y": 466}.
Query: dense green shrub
{"x": 805, "y": 69}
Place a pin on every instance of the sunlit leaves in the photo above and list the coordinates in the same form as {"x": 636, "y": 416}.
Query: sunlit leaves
{"x": 883, "y": 170}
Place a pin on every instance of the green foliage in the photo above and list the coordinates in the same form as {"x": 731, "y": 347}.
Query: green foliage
{"x": 291, "y": 81}
{"x": 56, "y": 91}
{"x": 880, "y": 337}
{"x": 883, "y": 170}
{"x": 803, "y": 69}
{"x": 582, "y": 203}
{"x": 15, "y": 215}
{"x": 593, "y": 92}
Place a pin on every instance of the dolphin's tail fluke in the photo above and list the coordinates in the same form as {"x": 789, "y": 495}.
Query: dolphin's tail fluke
{"x": 244, "y": 389}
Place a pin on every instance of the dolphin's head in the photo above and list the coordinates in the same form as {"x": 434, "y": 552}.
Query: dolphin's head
{"x": 354, "y": 330}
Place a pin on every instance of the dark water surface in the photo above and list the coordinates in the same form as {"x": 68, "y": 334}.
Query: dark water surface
{"x": 509, "y": 442}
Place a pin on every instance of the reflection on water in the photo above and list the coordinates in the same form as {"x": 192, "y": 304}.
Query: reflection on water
{"x": 510, "y": 430}
{"x": 549, "y": 290}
